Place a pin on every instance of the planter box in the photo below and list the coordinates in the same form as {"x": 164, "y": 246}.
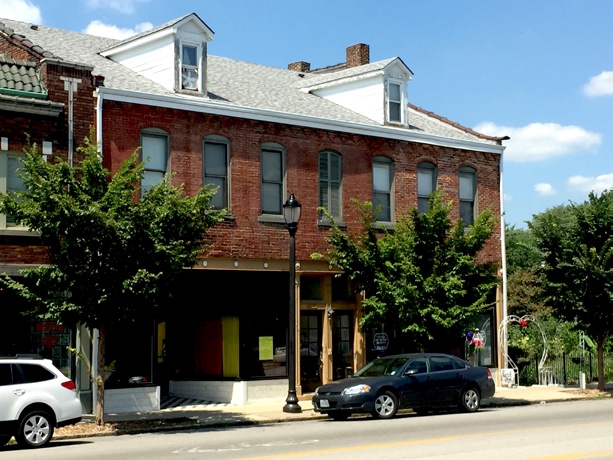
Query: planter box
{"x": 133, "y": 399}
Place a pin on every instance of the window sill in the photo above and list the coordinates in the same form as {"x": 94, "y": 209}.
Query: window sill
{"x": 384, "y": 225}
{"x": 328, "y": 224}
{"x": 18, "y": 232}
{"x": 271, "y": 219}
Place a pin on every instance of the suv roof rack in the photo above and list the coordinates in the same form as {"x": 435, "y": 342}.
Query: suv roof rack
{"x": 22, "y": 356}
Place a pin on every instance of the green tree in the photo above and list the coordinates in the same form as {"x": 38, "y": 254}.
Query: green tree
{"x": 113, "y": 256}
{"x": 422, "y": 277}
{"x": 521, "y": 249}
{"x": 577, "y": 274}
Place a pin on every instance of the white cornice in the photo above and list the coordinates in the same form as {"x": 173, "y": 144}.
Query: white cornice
{"x": 217, "y": 108}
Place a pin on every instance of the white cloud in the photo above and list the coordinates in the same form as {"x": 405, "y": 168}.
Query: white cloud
{"x": 123, "y": 6}
{"x": 600, "y": 85}
{"x": 588, "y": 184}
{"x": 545, "y": 189}
{"x": 20, "y": 10}
{"x": 104, "y": 30}
{"x": 542, "y": 141}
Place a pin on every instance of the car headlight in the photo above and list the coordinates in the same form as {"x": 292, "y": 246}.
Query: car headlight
{"x": 356, "y": 390}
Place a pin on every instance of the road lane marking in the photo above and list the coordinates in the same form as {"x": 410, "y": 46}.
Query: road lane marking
{"x": 337, "y": 450}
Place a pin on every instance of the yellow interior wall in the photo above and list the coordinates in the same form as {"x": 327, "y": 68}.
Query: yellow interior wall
{"x": 230, "y": 346}
{"x": 161, "y": 338}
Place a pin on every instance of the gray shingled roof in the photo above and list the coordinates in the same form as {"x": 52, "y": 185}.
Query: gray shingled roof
{"x": 19, "y": 75}
{"x": 229, "y": 81}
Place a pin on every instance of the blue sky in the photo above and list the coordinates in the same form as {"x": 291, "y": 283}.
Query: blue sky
{"x": 540, "y": 72}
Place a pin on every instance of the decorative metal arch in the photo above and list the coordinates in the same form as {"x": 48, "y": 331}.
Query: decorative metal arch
{"x": 502, "y": 334}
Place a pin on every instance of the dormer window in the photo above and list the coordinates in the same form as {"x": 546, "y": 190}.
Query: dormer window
{"x": 189, "y": 68}
{"x": 394, "y": 102}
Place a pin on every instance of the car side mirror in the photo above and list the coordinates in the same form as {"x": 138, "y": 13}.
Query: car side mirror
{"x": 410, "y": 372}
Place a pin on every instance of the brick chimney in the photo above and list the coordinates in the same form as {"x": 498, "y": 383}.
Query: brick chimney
{"x": 358, "y": 55}
{"x": 299, "y": 66}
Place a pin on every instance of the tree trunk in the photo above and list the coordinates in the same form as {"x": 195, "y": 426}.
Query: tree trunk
{"x": 601, "y": 377}
{"x": 101, "y": 375}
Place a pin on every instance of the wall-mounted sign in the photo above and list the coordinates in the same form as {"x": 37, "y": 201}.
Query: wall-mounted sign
{"x": 265, "y": 348}
{"x": 381, "y": 341}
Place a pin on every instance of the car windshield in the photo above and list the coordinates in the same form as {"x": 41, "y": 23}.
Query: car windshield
{"x": 382, "y": 366}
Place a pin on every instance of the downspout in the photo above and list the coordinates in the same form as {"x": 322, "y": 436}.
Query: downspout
{"x": 70, "y": 85}
{"x": 503, "y": 253}
{"x": 95, "y": 338}
{"x": 100, "y": 97}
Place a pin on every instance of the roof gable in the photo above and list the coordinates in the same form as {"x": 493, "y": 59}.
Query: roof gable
{"x": 190, "y": 24}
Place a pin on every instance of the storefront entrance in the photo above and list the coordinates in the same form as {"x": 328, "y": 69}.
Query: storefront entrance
{"x": 310, "y": 350}
{"x": 342, "y": 344}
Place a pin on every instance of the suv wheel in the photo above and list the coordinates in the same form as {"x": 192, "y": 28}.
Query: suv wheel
{"x": 35, "y": 429}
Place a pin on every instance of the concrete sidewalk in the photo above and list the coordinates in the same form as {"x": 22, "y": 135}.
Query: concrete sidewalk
{"x": 216, "y": 415}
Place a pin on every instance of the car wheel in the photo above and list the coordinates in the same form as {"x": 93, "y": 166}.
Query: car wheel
{"x": 4, "y": 439}
{"x": 340, "y": 416}
{"x": 386, "y": 405}
{"x": 35, "y": 429}
{"x": 470, "y": 400}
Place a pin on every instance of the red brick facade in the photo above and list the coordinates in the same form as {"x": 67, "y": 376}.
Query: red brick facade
{"x": 17, "y": 125}
{"x": 245, "y": 237}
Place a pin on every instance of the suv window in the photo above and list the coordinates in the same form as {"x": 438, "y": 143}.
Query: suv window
{"x": 31, "y": 373}
{"x": 5, "y": 374}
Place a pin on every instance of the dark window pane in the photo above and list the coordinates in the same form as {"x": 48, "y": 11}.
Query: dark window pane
{"x": 190, "y": 56}
{"x": 272, "y": 166}
{"x": 215, "y": 159}
{"x": 5, "y": 374}
{"x": 271, "y": 199}
{"x": 35, "y": 373}
{"x": 383, "y": 200}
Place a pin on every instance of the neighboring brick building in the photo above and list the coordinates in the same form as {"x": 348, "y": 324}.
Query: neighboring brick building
{"x": 259, "y": 133}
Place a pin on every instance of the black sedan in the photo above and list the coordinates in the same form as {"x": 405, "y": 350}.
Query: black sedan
{"x": 421, "y": 381}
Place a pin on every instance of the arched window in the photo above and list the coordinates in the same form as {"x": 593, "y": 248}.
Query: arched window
{"x": 272, "y": 178}
{"x": 330, "y": 183}
{"x": 468, "y": 194}
{"x": 382, "y": 186}
{"x": 154, "y": 153}
{"x": 216, "y": 164}
{"x": 426, "y": 184}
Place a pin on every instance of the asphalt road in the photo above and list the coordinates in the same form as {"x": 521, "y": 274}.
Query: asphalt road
{"x": 569, "y": 430}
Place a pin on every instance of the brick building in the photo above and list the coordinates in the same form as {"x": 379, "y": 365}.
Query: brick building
{"x": 259, "y": 133}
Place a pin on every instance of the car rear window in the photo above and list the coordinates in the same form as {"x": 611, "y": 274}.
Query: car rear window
{"x": 31, "y": 373}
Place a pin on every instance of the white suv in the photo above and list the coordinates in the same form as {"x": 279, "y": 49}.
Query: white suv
{"x": 35, "y": 398}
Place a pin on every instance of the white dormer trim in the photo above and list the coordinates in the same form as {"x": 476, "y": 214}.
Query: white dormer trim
{"x": 366, "y": 90}
{"x": 157, "y": 54}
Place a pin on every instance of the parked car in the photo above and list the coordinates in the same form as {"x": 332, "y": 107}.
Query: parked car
{"x": 35, "y": 398}
{"x": 420, "y": 381}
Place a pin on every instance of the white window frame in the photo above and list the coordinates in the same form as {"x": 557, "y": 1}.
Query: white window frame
{"x": 154, "y": 133}
{"x": 378, "y": 161}
{"x": 401, "y": 102}
{"x": 329, "y": 183}
{"x": 272, "y": 147}
{"x": 190, "y": 67}
{"x": 225, "y": 190}
{"x": 423, "y": 198}
{"x": 467, "y": 197}
{"x": 4, "y": 173}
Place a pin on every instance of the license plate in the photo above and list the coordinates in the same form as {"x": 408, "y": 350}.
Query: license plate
{"x": 324, "y": 403}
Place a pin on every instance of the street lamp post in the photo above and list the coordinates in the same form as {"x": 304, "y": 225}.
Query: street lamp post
{"x": 291, "y": 214}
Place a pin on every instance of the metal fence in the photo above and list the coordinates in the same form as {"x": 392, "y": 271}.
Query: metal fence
{"x": 564, "y": 370}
